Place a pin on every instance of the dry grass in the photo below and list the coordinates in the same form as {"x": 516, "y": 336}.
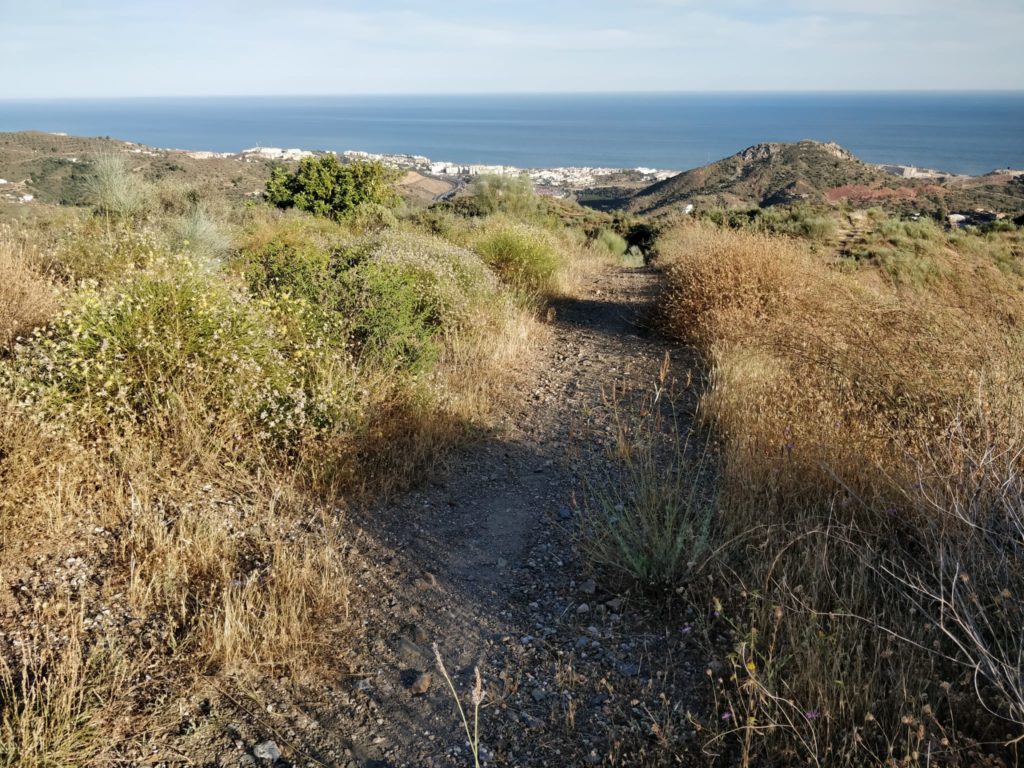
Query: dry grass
{"x": 650, "y": 521}
{"x": 27, "y": 299}
{"x": 871, "y": 472}
{"x": 59, "y": 699}
{"x": 211, "y": 541}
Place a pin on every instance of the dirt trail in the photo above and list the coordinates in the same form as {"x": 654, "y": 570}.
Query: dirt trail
{"x": 483, "y": 563}
{"x": 850, "y": 235}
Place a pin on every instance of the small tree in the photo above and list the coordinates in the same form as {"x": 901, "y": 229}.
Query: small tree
{"x": 326, "y": 187}
{"x": 507, "y": 194}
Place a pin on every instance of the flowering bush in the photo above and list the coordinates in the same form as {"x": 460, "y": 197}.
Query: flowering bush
{"x": 111, "y": 360}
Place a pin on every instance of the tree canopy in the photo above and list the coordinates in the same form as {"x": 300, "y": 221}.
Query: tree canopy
{"x": 326, "y": 187}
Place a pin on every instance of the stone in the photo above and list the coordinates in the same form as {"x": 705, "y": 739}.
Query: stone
{"x": 588, "y": 587}
{"x": 364, "y": 684}
{"x": 411, "y": 653}
{"x": 247, "y": 761}
{"x": 417, "y": 633}
{"x": 582, "y": 608}
{"x": 267, "y": 751}
{"x": 534, "y": 723}
{"x": 615, "y": 604}
{"x": 564, "y": 513}
{"x": 420, "y": 683}
{"x": 627, "y": 669}
{"x": 428, "y": 582}
{"x": 538, "y": 694}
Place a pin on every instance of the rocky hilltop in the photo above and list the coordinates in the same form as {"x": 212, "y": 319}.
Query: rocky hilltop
{"x": 764, "y": 174}
{"x": 817, "y": 172}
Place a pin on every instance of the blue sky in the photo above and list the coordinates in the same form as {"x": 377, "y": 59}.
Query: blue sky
{"x": 99, "y": 48}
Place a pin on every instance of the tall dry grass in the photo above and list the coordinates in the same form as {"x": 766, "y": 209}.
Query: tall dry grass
{"x": 27, "y": 299}
{"x": 871, "y": 473}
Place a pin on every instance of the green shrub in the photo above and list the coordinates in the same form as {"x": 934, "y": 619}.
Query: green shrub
{"x": 611, "y": 242}
{"x": 795, "y": 221}
{"x": 902, "y": 232}
{"x": 406, "y": 291}
{"x": 523, "y": 256}
{"x": 300, "y": 256}
{"x": 388, "y": 298}
{"x": 371, "y": 218}
{"x": 95, "y": 250}
{"x": 396, "y": 315}
{"x": 325, "y": 187}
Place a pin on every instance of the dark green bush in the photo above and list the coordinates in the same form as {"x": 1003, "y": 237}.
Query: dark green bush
{"x": 325, "y": 187}
{"x": 388, "y": 299}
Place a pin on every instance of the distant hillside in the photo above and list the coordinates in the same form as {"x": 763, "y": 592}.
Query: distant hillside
{"x": 53, "y": 168}
{"x": 763, "y": 175}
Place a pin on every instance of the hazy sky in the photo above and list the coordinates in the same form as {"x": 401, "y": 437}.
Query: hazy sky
{"x": 55, "y": 48}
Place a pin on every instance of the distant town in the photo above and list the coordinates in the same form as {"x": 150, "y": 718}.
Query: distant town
{"x": 552, "y": 181}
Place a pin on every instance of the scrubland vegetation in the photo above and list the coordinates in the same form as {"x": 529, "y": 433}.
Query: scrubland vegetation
{"x": 863, "y": 576}
{"x": 190, "y": 393}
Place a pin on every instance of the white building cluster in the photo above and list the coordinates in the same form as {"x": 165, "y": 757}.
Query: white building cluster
{"x": 574, "y": 177}
{"x": 274, "y": 153}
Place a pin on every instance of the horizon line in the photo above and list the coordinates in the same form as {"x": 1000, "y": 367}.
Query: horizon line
{"x": 495, "y": 94}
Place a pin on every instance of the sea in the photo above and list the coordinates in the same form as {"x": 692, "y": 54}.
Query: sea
{"x": 969, "y": 133}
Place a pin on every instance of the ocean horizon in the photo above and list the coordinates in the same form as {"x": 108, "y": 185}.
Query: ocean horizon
{"x": 958, "y": 132}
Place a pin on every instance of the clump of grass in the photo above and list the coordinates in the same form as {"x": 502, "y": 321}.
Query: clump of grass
{"x": 523, "y": 256}
{"x": 651, "y": 523}
{"x": 611, "y": 241}
{"x": 27, "y": 299}
{"x": 115, "y": 190}
{"x": 55, "y": 700}
{"x": 198, "y": 234}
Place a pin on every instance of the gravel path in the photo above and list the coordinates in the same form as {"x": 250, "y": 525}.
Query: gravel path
{"x": 484, "y": 563}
